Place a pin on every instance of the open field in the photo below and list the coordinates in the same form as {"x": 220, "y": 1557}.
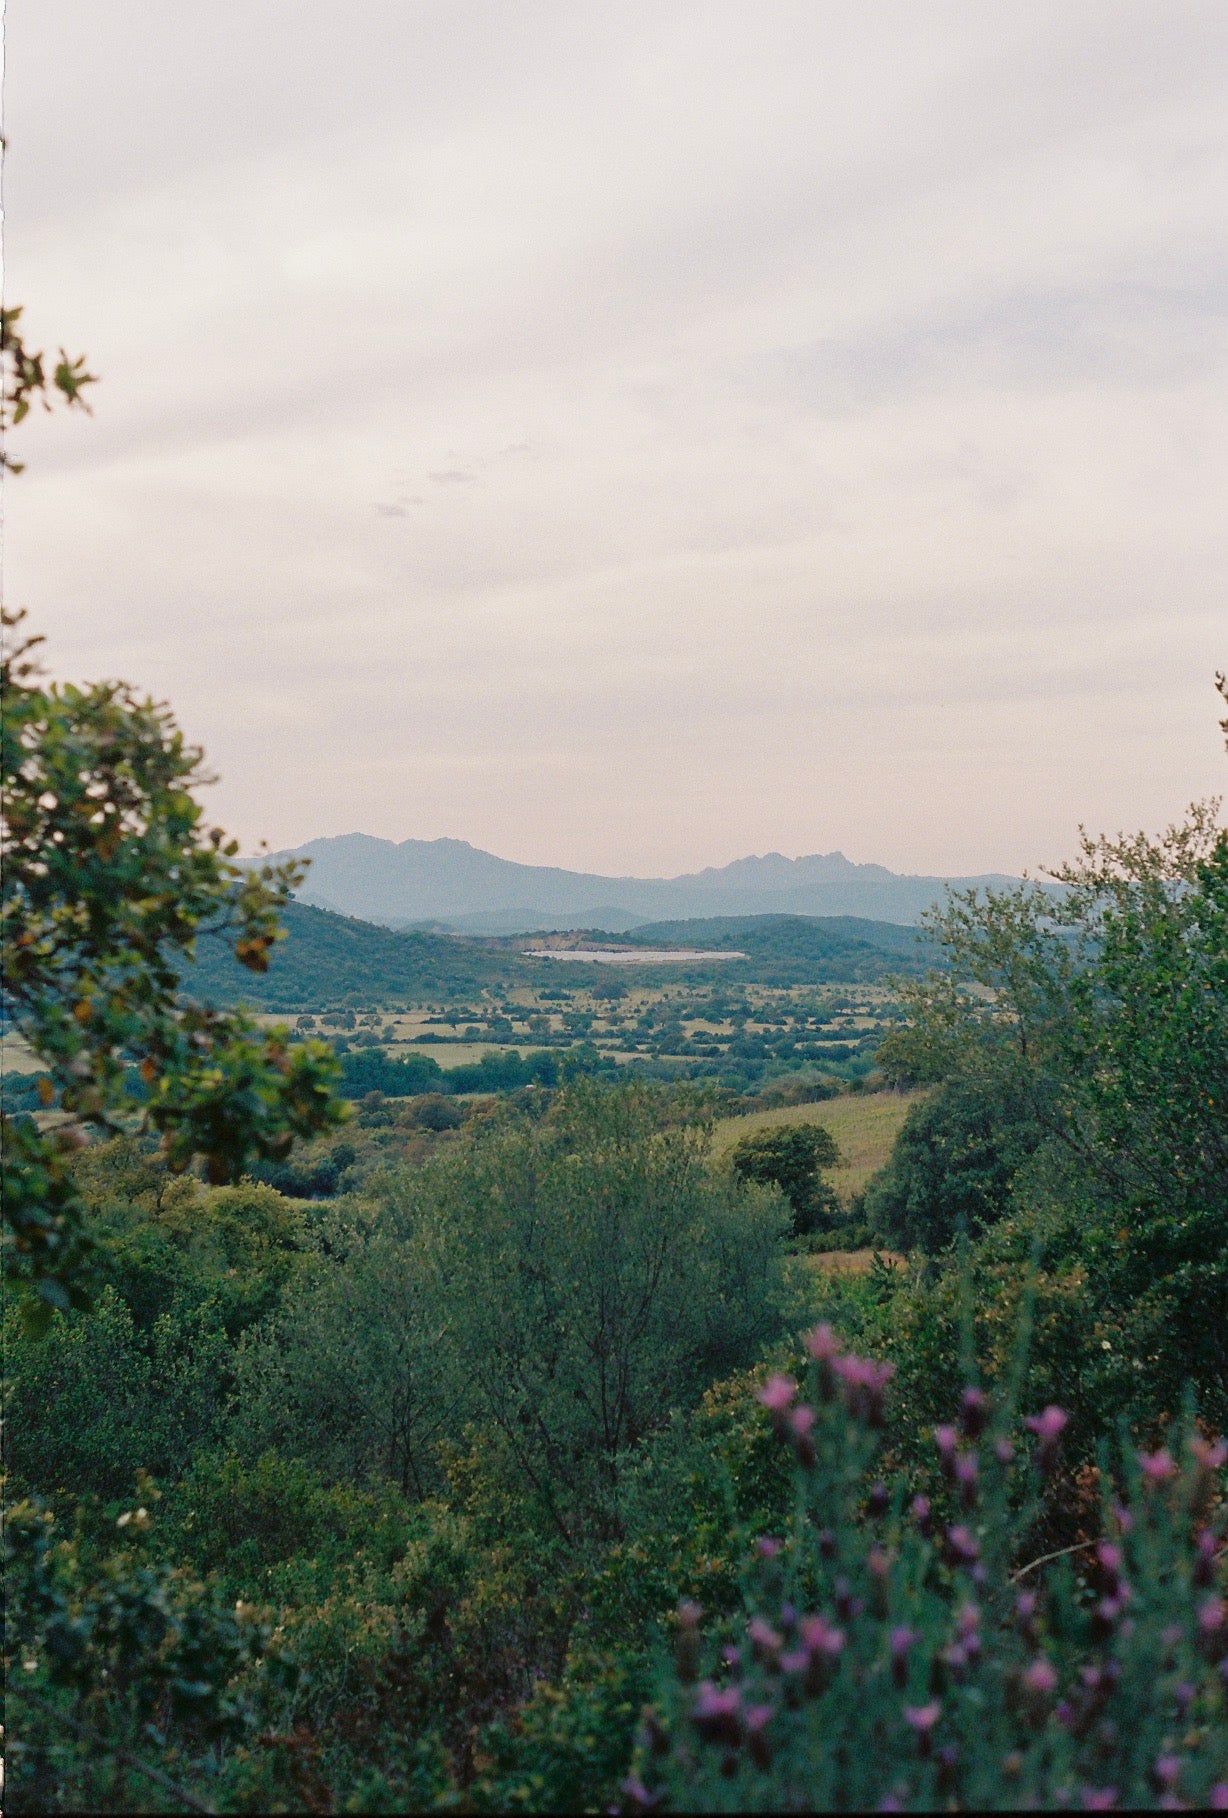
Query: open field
{"x": 15, "y": 1056}
{"x": 849, "y": 1262}
{"x": 865, "y": 1126}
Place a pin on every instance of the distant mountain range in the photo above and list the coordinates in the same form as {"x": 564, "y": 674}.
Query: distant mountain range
{"x": 452, "y": 885}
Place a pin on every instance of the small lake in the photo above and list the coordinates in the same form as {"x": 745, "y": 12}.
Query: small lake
{"x": 625, "y": 956}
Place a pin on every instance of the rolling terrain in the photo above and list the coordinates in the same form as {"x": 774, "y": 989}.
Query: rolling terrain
{"x": 332, "y": 959}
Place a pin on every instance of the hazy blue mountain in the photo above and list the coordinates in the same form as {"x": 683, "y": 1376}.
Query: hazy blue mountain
{"x": 453, "y": 884}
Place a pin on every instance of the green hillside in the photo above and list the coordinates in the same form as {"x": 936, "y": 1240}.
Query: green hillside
{"x": 335, "y": 961}
{"x": 332, "y": 960}
{"x": 801, "y": 949}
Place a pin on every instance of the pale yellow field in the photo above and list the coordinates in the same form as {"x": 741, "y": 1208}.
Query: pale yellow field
{"x": 16, "y": 1057}
{"x": 864, "y": 1125}
{"x": 848, "y": 1262}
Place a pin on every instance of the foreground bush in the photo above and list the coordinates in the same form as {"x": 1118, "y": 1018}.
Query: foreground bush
{"x": 896, "y": 1653}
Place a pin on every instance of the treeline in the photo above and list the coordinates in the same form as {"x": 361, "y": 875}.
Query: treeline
{"x": 366, "y": 1070}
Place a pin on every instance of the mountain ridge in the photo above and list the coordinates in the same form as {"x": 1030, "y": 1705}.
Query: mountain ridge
{"x": 451, "y": 883}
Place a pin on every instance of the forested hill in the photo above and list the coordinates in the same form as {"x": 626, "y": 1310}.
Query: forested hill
{"x": 333, "y": 960}
{"x": 802, "y": 949}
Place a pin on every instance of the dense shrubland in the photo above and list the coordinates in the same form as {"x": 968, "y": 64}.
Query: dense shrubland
{"x": 474, "y": 1468}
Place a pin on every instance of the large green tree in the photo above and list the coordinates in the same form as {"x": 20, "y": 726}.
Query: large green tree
{"x": 1096, "y": 1011}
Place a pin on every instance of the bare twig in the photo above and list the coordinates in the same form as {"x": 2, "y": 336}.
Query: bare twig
{"x": 1048, "y": 1558}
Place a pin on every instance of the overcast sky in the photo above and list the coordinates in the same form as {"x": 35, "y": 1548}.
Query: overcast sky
{"x": 629, "y": 436}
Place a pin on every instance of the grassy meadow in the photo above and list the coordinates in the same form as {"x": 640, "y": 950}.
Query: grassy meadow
{"x": 865, "y": 1126}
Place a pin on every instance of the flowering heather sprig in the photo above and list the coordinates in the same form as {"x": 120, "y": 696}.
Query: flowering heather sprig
{"x": 825, "y": 1348}
{"x": 1210, "y": 1455}
{"x": 864, "y": 1384}
{"x": 1158, "y": 1468}
{"x": 1048, "y": 1426}
{"x": 967, "y": 1476}
{"x": 1206, "y": 1551}
{"x": 777, "y": 1395}
{"x": 974, "y": 1411}
{"x": 758, "y": 1743}
{"x": 900, "y": 1686}
{"x": 717, "y": 1714}
{"x": 921, "y": 1720}
{"x": 922, "y": 1512}
{"x": 799, "y": 1428}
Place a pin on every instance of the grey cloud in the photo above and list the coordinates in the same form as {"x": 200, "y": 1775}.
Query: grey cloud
{"x": 1134, "y": 334}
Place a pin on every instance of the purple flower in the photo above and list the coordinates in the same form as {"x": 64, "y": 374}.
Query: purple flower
{"x": 767, "y": 1546}
{"x": 878, "y": 1559}
{"x": 922, "y": 1513}
{"x": 864, "y": 1383}
{"x": 1048, "y": 1426}
{"x": 1205, "y": 1548}
{"x": 966, "y": 1473}
{"x": 848, "y": 1607}
{"x": 765, "y": 1642}
{"x": 1166, "y": 1772}
{"x": 758, "y": 1745}
{"x": 717, "y": 1715}
{"x": 731, "y": 1656}
{"x": 973, "y": 1411}
{"x": 1217, "y": 1798}
{"x": 800, "y": 1421}
{"x": 816, "y": 1658}
{"x": 1184, "y": 1696}
{"x": 962, "y": 1545}
{"x": 879, "y": 1500}
{"x": 1157, "y": 1467}
{"x": 946, "y": 1438}
{"x": 638, "y": 1796}
{"x": 1209, "y": 1454}
{"x": 1212, "y": 1627}
{"x": 823, "y": 1344}
{"x": 1099, "y": 1798}
{"x": 1039, "y": 1677}
{"x": 947, "y": 1759}
{"x": 777, "y": 1393}
{"x": 1107, "y": 1613}
{"x": 820, "y": 1637}
{"x": 1003, "y": 1451}
{"x": 1111, "y": 1559}
{"x": 921, "y": 1720}
{"x": 968, "y": 1619}
{"x": 1123, "y": 1518}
